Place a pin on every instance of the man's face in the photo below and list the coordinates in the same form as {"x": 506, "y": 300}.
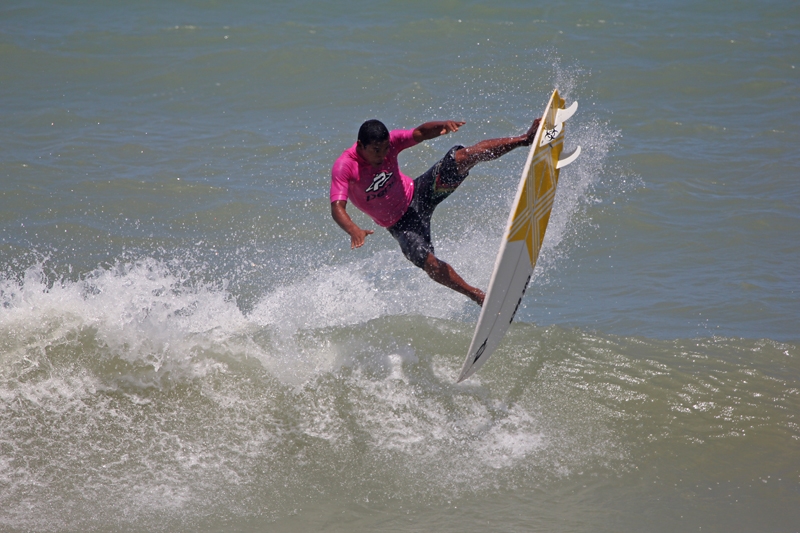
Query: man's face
{"x": 374, "y": 152}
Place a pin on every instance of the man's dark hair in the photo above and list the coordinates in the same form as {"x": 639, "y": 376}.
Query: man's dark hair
{"x": 372, "y": 131}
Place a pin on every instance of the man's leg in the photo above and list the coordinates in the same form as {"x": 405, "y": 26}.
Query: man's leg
{"x": 441, "y": 272}
{"x": 490, "y": 149}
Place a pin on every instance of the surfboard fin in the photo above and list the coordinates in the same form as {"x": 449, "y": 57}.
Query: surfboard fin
{"x": 562, "y": 115}
{"x": 569, "y": 158}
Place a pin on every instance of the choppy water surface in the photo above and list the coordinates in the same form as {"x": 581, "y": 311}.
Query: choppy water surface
{"x": 187, "y": 343}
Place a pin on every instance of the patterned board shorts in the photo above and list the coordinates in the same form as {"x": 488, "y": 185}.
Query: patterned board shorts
{"x": 413, "y": 230}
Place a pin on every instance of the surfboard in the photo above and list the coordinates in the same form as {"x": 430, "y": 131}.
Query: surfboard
{"x": 522, "y": 240}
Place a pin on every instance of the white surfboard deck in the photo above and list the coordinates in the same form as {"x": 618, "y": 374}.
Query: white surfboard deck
{"x": 524, "y": 234}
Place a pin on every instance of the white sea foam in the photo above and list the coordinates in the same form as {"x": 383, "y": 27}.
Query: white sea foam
{"x": 142, "y": 312}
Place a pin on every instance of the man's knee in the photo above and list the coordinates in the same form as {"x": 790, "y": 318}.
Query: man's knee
{"x": 464, "y": 162}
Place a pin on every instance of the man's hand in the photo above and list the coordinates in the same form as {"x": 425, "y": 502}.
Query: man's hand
{"x": 357, "y": 235}
{"x": 450, "y": 126}
{"x": 431, "y": 130}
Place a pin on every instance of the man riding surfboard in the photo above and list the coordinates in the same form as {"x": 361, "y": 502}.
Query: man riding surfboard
{"x": 368, "y": 174}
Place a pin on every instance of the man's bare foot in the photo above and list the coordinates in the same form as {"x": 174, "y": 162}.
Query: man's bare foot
{"x": 532, "y": 132}
{"x": 478, "y": 296}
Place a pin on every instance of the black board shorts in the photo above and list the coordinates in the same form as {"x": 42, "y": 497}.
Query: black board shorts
{"x": 413, "y": 230}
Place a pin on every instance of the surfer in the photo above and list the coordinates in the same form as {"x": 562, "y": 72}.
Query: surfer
{"x": 367, "y": 173}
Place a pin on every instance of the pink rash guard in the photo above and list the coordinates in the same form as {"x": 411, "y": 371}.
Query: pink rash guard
{"x": 382, "y": 192}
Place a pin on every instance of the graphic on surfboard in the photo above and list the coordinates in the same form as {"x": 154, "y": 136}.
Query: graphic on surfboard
{"x": 524, "y": 233}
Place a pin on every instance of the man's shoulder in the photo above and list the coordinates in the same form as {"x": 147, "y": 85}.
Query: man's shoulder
{"x": 346, "y": 163}
{"x": 402, "y": 139}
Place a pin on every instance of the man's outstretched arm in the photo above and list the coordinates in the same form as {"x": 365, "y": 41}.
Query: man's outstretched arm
{"x": 339, "y": 214}
{"x": 431, "y": 130}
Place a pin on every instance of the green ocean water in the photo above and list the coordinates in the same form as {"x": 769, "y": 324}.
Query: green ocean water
{"x": 187, "y": 342}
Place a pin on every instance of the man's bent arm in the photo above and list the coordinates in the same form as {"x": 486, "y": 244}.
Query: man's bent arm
{"x": 431, "y": 130}
{"x": 339, "y": 214}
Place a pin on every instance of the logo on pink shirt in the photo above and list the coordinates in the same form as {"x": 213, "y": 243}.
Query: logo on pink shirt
{"x": 379, "y": 181}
